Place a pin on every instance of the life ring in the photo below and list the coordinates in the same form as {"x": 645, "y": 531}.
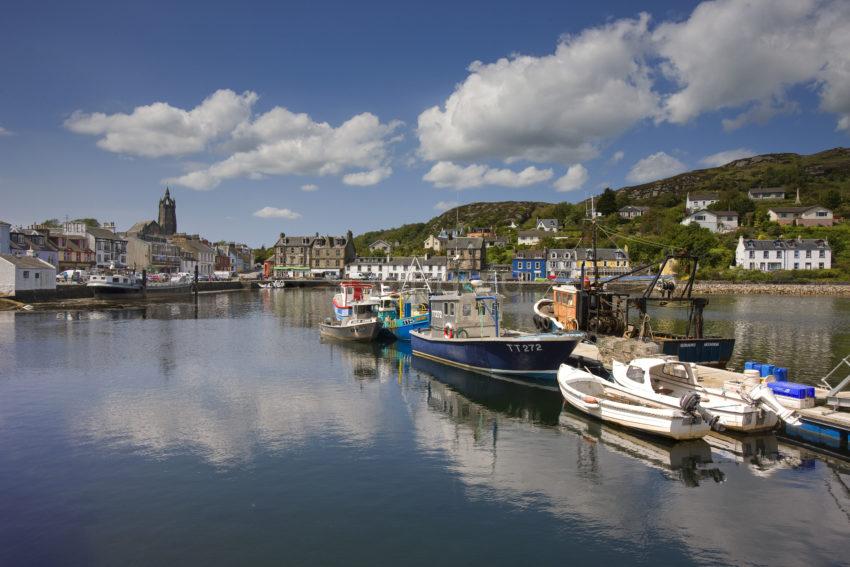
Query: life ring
{"x": 448, "y": 331}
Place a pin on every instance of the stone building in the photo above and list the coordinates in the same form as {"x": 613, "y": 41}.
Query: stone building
{"x": 466, "y": 257}
{"x": 303, "y": 256}
{"x": 167, "y": 214}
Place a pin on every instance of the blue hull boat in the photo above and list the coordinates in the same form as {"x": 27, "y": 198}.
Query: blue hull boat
{"x": 401, "y": 328}
{"x": 530, "y": 358}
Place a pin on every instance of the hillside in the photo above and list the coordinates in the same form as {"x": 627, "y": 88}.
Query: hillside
{"x": 822, "y": 178}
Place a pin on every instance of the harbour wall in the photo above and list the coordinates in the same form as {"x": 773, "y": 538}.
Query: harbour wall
{"x": 66, "y": 292}
{"x": 730, "y": 288}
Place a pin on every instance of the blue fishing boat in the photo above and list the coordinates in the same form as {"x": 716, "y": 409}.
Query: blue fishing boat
{"x": 404, "y": 311}
{"x": 465, "y": 332}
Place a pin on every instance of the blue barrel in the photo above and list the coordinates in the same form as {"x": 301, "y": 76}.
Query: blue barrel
{"x": 766, "y": 370}
{"x": 750, "y": 365}
{"x": 781, "y": 374}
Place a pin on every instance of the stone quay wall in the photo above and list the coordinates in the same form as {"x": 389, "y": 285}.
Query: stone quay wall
{"x": 730, "y": 288}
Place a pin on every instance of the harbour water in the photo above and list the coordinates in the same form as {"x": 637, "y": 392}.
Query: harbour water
{"x": 227, "y": 433}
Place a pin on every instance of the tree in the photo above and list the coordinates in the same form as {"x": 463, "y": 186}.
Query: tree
{"x": 607, "y": 202}
{"x": 89, "y": 222}
{"x": 832, "y": 199}
{"x": 52, "y": 223}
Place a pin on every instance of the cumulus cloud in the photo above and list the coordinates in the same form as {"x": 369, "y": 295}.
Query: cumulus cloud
{"x": 280, "y": 142}
{"x": 617, "y": 157}
{"x": 275, "y": 213}
{"x": 366, "y": 178}
{"x": 722, "y": 158}
{"x": 446, "y": 205}
{"x": 575, "y": 177}
{"x": 309, "y": 187}
{"x": 655, "y": 166}
{"x": 448, "y": 174}
{"x": 731, "y": 53}
{"x": 552, "y": 108}
{"x": 160, "y": 129}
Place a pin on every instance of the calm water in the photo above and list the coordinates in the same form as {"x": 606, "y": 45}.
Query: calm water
{"x": 230, "y": 434}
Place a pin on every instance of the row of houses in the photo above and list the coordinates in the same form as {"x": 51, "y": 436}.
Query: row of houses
{"x": 568, "y": 263}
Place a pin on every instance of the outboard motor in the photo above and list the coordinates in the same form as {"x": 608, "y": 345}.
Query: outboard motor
{"x": 764, "y": 396}
{"x": 690, "y": 403}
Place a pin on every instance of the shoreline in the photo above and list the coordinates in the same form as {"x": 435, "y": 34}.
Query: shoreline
{"x": 735, "y": 288}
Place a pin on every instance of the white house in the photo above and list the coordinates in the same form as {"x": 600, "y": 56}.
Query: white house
{"x": 802, "y": 216}
{"x": 5, "y": 228}
{"x": 381, "y": 246}
{"x": 24, "y": 273}
{"x": 715, "y": 221}
{"x": 632, "y": 211}
{"x": 700, "y": 201}
{"x": 109, "y": 248}
{"x": 548, "y": 225}
{"x": 398, "y": 268}
{"x": 433, "y": 243}
{"x": 530, "y": 237}
{"x": 783, "y": 254}
{"x": 561, "y": 261}
{"x": 767, "y": 194}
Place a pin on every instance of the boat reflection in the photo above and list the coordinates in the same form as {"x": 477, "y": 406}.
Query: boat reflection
{"x": 763, "y": 454}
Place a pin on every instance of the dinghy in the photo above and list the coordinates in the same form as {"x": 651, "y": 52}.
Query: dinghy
{"x": 665, "y": 380}
{"x": 598, "y": 398}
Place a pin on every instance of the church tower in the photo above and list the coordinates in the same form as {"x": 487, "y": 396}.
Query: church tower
{"x": 167, "y": 214}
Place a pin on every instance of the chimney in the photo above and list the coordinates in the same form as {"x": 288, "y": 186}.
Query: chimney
{"x": 110, "y": 226}
{"x": 31, "y": 252}
{"x": 797, "y": 201}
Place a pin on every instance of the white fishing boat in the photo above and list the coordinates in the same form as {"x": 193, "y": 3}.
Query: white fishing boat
{"x": 745, "y": 407}
{"x": 597, "y": 397}
{"x": 362, "y": 324}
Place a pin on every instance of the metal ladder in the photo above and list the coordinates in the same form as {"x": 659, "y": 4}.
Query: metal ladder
{"x": 832, "y": 397}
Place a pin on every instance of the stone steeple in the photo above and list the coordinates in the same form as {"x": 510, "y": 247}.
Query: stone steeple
{"x": 167, "y": 214}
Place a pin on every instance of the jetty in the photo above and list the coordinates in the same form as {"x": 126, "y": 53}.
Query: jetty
{"x": 824, "y": 428}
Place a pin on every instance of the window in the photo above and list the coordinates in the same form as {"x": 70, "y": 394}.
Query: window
{"x": 699, "y": 217}
{"x": 822, "y": 254}
{"x": 808, "y": 253}
{"x": 467, "y": 309}
{"x": 635, "y": 374}
{"x": 26, "y": 274}
{"x": 765, "y": 254}
{"x": 821, "y": 213}
{"x": 536, "y": 265}
{"x": 796, "y": 265}
{"x": 796, "y": 253}
{"x": 820, "y": 267}
{"x": 752, "y": 254}
{"x": 528, "y": 265}
{"x": 808, "y": 265}
{"x": 37, "y": 275}
{"x": 778, "y": 254}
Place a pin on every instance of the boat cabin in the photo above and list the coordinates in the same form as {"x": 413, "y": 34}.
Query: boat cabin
{"x": 116, "y": 279}
{"x": 465, "y": 315}
{"x": 664, "y": 375}
{"x": 351, "y": 292}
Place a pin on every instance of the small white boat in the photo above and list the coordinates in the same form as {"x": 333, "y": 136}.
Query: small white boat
{"x": 115, "y": 285}
{"x": 597, "y": 397}
{"x": 361, "y": 325}
{"x": 665, "y": 380}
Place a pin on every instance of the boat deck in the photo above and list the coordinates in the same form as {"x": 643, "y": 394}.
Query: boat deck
{"x": 823, "y": 425}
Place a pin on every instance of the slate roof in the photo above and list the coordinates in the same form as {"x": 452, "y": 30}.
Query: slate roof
{"x": 604, "y": 254}
{"x": 530, "y": 255}
{"x": 27, "y": 262}
{"x": 633, "y": 208}
{"x": 715, "y": 213}
{"x": 795, "y": 209}
{"x": 464, "y": 242}
{"x": 103, "y": 233}
{"x": 537, "y": 233}
{"x": 549, "y": 223}
{"x": 767, "y": 190}
{"x": 787, "y": 244}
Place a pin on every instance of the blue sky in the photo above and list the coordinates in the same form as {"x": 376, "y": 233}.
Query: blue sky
{"x": 381, "y": 107}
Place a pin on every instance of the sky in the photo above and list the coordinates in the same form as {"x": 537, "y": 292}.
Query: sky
{"x": 291, "y": 117}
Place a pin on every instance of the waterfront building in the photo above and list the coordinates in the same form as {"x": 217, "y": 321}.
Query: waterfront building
{"x": 766, "y": 194}
{"x": 548, "y": 225}
{"x": 109, "y": 248}
{"x": 531, "y": 237}
{"x": 167, "y": 214}
{"x": 303, "y": 256}
{"x": 632, "y": 211}
{"x": 700, "y": 201}
{"x": 73, "y": 247}
{"x": 200, "y": 250}
{"x": 610, "y": 261}
{"x": 466, "y": 257}
{"x": 5, "y": 229}
{"x": 25, "y": 273}
{"x": 396, "y": 268}
{"x": 222, "y": 261}
{"x": 28, "y": 241}
{"x": 561, "y": 262}
{"x": 529, "y": 265}
{"x": 152, "y": 253}
{"x": 715, "y": 221}
{"x": 802, "y": 216}
{"x": 783, "y": 254}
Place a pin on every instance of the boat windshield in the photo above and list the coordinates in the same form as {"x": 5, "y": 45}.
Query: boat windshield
{"x": 674, "y": 370}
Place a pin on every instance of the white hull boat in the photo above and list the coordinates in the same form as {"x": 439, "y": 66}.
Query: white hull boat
{"x": 361, "y": 330}
{"x": 665, "y": 380}
{"x": 596, "y": 397}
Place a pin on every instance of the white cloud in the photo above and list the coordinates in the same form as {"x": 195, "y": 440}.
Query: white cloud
{"x": 656, "y": 166}
{"x": 760, "y": 113}
{"x": 275, "y": 213}
{"x": 731, "y": 53}
{"x": 4, "y": 132}
{"x": 160, "y": 129}
{"x": 280, "y": 142}
{"x": 722, "y": 158}
{"x": 617, "y": 157}
{"x": 556, "y": 107}
{"x": 446, "y": 205}
{"x": 575, "y": 177}
{"x": 310, "y": 187}
{"x": 448, "y": 174}
{"x": 366, "y": 178}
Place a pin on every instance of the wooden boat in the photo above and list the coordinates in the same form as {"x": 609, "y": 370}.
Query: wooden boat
{"x": 361, "y": 325}
{"x": 596, "y": 397}
{"x": 594, "y": 309}
{"x": 747, "y": 408}
{"x": 465, "y": 331}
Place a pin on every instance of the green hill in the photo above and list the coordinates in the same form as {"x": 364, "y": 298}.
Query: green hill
{"x": 822, "y": 178}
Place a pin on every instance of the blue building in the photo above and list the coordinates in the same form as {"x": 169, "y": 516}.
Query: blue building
{"x": 529, "y": 265}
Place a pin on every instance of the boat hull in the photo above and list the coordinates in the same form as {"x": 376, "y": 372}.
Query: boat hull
{"x": 357, "y": 332}
{"x": 534, "y": 358}
{"x": 664, "y": 422}
{"x": 710, "y": 351}
{"x": 401, "y": 328}
{"x": 116, "y": 291}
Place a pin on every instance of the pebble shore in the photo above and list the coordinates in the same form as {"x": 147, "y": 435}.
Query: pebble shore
{"x": 730, "y": 288}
